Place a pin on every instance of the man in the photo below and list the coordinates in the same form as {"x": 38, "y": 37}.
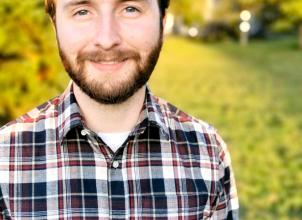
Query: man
{"x": 107, "y": 148}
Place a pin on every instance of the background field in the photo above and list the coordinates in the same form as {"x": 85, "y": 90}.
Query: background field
{"x": 253, "y": 96}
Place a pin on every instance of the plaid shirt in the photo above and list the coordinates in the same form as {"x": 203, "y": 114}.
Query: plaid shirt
{"x": 172, "y": 166}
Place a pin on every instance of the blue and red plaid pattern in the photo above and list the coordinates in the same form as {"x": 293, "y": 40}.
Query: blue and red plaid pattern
{"x": 172, "y": 166}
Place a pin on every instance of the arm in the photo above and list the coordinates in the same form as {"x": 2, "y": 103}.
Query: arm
{"x": 2, "y": 206}
{"x": 228, "y": 204}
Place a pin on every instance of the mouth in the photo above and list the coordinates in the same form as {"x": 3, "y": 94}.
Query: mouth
{"x": 108, "y": 65}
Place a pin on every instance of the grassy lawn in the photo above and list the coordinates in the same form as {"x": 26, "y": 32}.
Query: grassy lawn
{"x": 252, "y": 96}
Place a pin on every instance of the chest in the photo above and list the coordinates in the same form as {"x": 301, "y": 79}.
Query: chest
{"x": 143, "y": 180}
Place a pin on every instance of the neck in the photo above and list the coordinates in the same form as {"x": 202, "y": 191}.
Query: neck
{"x": 110, "y": 118}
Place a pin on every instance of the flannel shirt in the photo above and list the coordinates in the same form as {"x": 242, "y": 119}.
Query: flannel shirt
{"x": 172, "y": 166}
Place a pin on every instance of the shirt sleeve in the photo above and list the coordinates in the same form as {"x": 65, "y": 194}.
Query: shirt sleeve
{"x": 228, "y": 204}
{"x": 2, "y": 206}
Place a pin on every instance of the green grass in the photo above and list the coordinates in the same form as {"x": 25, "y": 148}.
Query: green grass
{"x": 252, "y": 95}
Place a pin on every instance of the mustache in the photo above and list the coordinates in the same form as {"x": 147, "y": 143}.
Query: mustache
{"x": 105, "y": 56}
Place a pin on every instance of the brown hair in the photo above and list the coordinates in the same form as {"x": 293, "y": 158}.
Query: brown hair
{"x": 50, "y": 7}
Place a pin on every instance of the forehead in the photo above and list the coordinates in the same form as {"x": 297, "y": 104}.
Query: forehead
{"x": 101, "y": 1}
{"x": 64, "y": 4}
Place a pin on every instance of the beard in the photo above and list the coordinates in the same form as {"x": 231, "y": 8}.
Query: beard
{"x": 108, "y": 90}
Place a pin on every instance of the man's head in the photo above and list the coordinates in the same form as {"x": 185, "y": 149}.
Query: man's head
{"x": 109, "y": 47}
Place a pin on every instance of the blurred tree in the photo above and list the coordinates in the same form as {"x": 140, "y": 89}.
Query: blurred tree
{"x": 214, "y": 18}
{"x": 287, "y": 14}
{"x": 218, "y": 10}
{"x": 266, "y": 13}
{"x": 293, "y": 11}
{"x": 29, "y": 64}
{"x": 190, "y": 12}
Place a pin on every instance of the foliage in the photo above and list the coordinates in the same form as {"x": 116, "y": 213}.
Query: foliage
{"x": 289, "y": 7}
{"x": 29, "y": 64}
{"x": 293, "y": 10}
{"x": 289, "y": 11}
{"x": 190, "y": 11}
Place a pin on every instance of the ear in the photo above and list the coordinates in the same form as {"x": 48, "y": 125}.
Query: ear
{"x": 53, "y": 22}
{"x": 164, "y": 20}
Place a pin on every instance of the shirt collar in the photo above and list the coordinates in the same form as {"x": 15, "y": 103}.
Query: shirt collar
{"x": 153, "y": 113}
{"x": 69, "y": 115}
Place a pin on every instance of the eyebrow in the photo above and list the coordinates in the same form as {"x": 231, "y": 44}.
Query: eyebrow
{"x": 119, "y": 1}
{"x": 75, "y": 3}
{"x": 85, "y": 2}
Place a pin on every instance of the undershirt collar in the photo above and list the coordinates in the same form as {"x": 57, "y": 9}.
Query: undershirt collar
{"x": 114, "y": 140}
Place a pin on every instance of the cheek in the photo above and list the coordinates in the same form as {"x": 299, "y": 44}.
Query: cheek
{"x": 142, "y": 35}
{"x": 72, "y": 40}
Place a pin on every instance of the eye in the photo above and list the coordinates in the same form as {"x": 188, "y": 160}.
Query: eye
{"x": 81, "y": 12}
{"x": 131, "y": 9}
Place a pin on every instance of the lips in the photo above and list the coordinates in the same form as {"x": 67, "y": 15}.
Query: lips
{"x": 109, "y": 61}
{"x": 108, "y": 65}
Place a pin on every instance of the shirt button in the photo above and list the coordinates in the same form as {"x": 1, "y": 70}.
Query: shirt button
{"x": 83, "y": 132}
{"x": 115, "y": 164}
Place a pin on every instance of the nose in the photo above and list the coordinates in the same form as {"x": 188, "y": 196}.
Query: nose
{"x": 107, "y": 32}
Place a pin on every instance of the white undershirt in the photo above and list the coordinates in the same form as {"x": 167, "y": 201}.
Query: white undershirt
{"x": 114, "y": 140}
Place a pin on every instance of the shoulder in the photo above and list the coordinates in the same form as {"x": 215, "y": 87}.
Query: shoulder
{"x": 182, "y": 120}
{"x": 191, "y": 129}
{"x": 32, "y": 121}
